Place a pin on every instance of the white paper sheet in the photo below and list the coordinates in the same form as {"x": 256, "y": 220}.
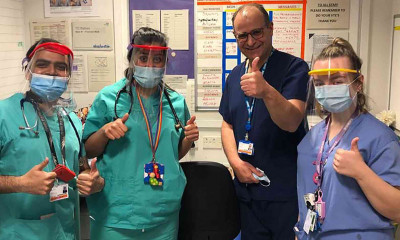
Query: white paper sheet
{"x": 71, "y": 8}
{"x": 101, "y": 71}
{"x": 57, "y": 29}
{"x": 145, "y": 18}
{"x": 93, "y": 35}
{"x": 175, "y": 24}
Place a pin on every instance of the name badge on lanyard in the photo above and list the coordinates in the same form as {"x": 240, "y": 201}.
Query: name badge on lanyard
{"x": 314, "y": 201}
{"x": 59, "y": 192}
{"x": 246, "y": 146}
{"x": 153, "y": 171}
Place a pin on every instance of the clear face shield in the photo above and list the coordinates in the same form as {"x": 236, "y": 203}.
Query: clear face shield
{"x": 331, "y": 87}
{"x": 147, "y": 68}
{"x": 48, "y": 73}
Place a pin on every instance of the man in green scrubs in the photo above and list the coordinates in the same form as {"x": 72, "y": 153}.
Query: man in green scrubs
{"x": 128, "y": 199}
{"x": 34, "y": 202}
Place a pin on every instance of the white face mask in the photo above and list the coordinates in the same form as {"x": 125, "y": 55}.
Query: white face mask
{"x": 335, "y": 98}
{"x": 148, "y": 77}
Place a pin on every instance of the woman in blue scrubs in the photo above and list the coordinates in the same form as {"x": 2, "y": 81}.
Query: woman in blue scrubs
{"x": 38, "y": 132}
{"x": 135, "y": 130}
{"x": 348, "y": 164}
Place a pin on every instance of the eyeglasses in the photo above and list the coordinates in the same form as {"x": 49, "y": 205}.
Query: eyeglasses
{"x": 256, "y": 34}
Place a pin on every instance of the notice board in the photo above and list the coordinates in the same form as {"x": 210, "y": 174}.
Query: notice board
{"x": 217, "y": 51}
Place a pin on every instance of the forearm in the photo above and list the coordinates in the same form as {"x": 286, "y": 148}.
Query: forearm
{"x": 96, "y": 144}
{"x": 229, "y": 144}
{"x": 382, "y": 196}
{"x": 184, "y": 147}
{"x": 287, "y": 114}
{"x": 10, "y": 184}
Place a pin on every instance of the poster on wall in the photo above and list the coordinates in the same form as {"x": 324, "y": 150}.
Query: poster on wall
{"x": 70, "y": 8}
{"x": 175, "y": 24}
{"x": 78, "y": 77}
{"x": 101, "y": 71}
{"x": 328, "y": 14}
{"x": 145, "y": 18}
{"x": 218, "y": 52}
{"x": 316, "y": 40}
{"x": 50, "y": 28}
{"x": 92, "y": 35}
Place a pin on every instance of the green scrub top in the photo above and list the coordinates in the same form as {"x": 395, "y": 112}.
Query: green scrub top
{"x": 20, "y": 150}
{"x": 126, "y": 201}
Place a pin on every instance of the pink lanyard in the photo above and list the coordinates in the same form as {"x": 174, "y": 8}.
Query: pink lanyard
{"x": 319, "y": 164}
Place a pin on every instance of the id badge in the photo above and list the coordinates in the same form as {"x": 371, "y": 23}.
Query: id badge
{"x": 309, "y": 221}
{"x": 320, "y": 206}
{"x": 59, "y": 192}
{"x": 309, "y": 199}
{"x": 246, "y": 147}
{"x": 154, "y": 174}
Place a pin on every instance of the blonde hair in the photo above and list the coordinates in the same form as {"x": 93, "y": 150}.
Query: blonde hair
{"x": 342, "y": 48}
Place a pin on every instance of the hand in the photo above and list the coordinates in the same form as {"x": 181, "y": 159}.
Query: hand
{"x": 37, "y": 181}
{"x": 116, "y": 129}
{"x": 244, "y": 172}
{"x": 253, "y": 84}
{"x": 191, "y": 130}
{"x": 349, "y": 163}
{"x": 90, "y": 181}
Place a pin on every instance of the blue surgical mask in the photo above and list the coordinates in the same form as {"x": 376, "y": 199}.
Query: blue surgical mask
{"x": 334, "y": 98}
{"x": 148, "y": 77}
{"x": 48, "y": 88}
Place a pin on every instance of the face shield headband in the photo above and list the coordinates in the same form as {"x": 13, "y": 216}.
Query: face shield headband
{"x": 149, "y": 64}
{"x": 332, "y": 87}
{"x": 53, "y": 47}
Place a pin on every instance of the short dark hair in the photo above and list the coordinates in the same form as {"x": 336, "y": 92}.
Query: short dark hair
{"x": 40, "y": 41}
{"x": 256, "y": 5}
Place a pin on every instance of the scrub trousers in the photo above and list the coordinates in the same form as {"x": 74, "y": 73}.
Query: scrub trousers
{"x": 268, "y": 220}
{"x": 166, "y": 231}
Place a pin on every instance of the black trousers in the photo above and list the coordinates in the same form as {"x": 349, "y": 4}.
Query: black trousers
{"x": 268, "y": 220}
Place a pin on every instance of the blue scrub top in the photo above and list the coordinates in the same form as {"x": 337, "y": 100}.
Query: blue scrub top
{"x": 126, "y": 202}
{"x": 274, "y": 149}
{"x": 347, "y": 208}
{"x": 20, "y": 150}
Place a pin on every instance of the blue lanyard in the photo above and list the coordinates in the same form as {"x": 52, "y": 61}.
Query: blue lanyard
{"x": 250, "y": 108}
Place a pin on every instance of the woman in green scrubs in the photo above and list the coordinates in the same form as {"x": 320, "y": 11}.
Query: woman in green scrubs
{"x": 135, "y": 130}
{"x": 34, "y": 202}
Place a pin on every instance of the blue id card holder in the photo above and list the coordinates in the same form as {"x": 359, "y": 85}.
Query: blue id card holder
{"x": 154, "y": 174}
{"x": 246, "y": 147}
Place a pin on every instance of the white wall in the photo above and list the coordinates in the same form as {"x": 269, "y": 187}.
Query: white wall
{"x": 11, "y": 47}
{"x": 378, "y": 63}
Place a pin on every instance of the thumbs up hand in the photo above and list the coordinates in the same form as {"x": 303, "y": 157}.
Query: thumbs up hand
{"x": 253, "y": 83}
{"x": 349, "y": 162}
{"x": 116, "y": 129}
{"x": 37, "y": 181}
{"x": 191, "y": 130}
{"x": 90, "y": 181}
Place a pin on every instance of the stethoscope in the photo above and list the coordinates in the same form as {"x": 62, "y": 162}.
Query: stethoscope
{"x": 124, "y": 89}
{"x": 31, "y": 99}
